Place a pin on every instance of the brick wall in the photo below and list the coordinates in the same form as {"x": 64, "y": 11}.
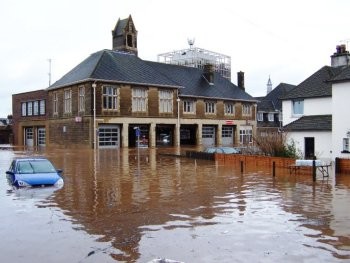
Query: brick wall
{"x": 17, "y": 100}
{"x": 68, "y": 132}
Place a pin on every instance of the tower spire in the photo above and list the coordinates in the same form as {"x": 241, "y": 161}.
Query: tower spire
{"x": 269, "y": 86}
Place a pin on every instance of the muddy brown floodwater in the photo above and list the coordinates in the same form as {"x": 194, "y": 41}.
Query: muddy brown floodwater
{"x": 132, "y": 205}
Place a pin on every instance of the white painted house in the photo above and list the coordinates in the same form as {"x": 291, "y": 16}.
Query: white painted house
{"x": 314, "y": 113}
{"x": 341, "y": 115}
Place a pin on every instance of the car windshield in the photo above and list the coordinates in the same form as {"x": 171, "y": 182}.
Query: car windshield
{"x": 35, "y": 166}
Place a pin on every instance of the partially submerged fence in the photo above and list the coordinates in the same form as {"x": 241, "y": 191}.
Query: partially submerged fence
{"x": 258, "y": 160}
{"x": 342, "y": 165}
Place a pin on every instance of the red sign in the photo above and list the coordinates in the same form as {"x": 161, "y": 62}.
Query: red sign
{"x": 229, "y": 122}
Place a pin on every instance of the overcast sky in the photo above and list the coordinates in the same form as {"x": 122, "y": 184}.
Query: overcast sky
{"x": 287, "y": 40}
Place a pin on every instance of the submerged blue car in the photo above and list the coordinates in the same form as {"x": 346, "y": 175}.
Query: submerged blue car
{"x": 34, "y": 171}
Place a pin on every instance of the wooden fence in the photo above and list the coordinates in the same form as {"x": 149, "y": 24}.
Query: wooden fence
{"x": 342, "y": 165}
{"x": 258, "y": 160}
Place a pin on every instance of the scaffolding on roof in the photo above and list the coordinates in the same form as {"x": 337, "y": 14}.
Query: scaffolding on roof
{"x": 197, "y": 58}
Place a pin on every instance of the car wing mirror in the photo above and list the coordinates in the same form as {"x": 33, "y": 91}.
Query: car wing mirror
{"x": 9, "y": 172}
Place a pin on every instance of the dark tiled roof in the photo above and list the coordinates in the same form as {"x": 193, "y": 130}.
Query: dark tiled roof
{"x": 343, "y": 76}
{"x": 196, "y": 85}
{"x": 317, "y": 85}
{"x": 271, "y": 102}
{"x": 120, "y": 26}
{"x": 311, "y": 123}
{"x": 114, "y": 66}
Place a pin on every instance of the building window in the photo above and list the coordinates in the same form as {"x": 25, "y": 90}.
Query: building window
{"x": 229, "y": 109}
{"x": 41, "y": 136}
{"x": 42, "y": 107}
{"x": 245, "y": 135}
{"x": 210, "y": 107}
{"x": 24, "y": 109}
{"x": 36, "y": 108}
{"x": 247, "y": 110}
{"x": 68, "y": 101}
{"x": 55, "y": 103}
{"x": 165, "y": 101}
{"x": 110, "y": 98}
{"x": 346, "y": 145}
{"x": 260, "y": 116}
{"x": 298, "y": 107}
{"x": 189, "y": 106}
{"x": 139, "y": 100}
{"x": 33, "y": 108}
{"x": 30, "y": 108}
{"x": 270, "y": 116}
{"x": 81, "y": 101}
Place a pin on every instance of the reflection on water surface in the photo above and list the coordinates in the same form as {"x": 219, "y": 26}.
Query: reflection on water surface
{"x": 136, "y": 205}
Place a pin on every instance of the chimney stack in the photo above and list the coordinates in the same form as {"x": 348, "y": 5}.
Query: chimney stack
{"x": 208, "y": 73}
{"x": 341, "y": 57}
{"x": 240, "y": 80}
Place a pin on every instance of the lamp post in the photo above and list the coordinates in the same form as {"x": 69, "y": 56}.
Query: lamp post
{"x": 178, "y": 119}
{"x": 94, "y": 88}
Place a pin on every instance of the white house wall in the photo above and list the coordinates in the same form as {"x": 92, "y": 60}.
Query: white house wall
{"x": 312, "y": 106}
{"x": 340, "y": 117}
{"x": 322, "y": 143}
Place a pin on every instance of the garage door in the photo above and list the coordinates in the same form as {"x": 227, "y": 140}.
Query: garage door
{"x": 208, "y": 135}
{"x": 109, "y": 136}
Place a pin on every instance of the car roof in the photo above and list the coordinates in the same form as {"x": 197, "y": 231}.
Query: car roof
{"x": 29, "y": 158}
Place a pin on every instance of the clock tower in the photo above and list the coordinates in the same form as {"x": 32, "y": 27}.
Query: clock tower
{"x": 125, "y": 36}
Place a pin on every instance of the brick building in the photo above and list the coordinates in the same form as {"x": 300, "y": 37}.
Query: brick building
{"x": 115, "y": 99}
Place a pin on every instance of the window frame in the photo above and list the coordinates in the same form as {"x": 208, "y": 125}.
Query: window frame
{"x": 110, "y": 98}
{"x": 189, "y": 106}
{"x": 298, "y": 109}
{"x": 210, "y": 107}
{"x": 139, "y": 99}
{"x": 67, "y": 101}
{"x": 166, "y": 98}
{"x": 271, "y": 117}
{"x": 246, "y": 132}
{"x": 260, "y": 116}
{"x": 24, "y": 108}
{"x": 55, "y": 103}
{"x": 229, "y": 108}
{"x": 246, "y": 109}
{"x": 81, "y": 98}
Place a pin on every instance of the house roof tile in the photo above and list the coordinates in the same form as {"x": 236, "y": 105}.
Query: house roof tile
{"x": 317, "y": 85}
{"x": 311, "y": 123}
{"x": 115, "y": 66}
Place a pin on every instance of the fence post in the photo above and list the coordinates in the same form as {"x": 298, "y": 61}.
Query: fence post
{"x": 241, "y": 166}
{"x": 314, "y": 169}
{"x": 273, "y": 168}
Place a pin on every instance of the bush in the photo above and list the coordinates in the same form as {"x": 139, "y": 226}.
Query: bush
{"x": 275, "y": 144}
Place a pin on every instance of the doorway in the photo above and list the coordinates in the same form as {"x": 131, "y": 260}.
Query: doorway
{"x": 309, "y": 147}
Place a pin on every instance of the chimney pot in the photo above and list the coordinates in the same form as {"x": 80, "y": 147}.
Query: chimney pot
{"x": 240, "y": 80}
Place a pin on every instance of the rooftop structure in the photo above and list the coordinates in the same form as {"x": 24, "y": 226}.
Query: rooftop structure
{"x": 198, "y": 58}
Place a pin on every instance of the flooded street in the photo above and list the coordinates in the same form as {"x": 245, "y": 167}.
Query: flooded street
{"x": 137, "y": 205}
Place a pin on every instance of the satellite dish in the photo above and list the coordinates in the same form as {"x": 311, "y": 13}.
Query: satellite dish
{"x": 190, "y": 41}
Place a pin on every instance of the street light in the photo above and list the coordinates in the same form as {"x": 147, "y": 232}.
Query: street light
{"x": 178, "y": 119}
{"x": 94, "y": 88}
